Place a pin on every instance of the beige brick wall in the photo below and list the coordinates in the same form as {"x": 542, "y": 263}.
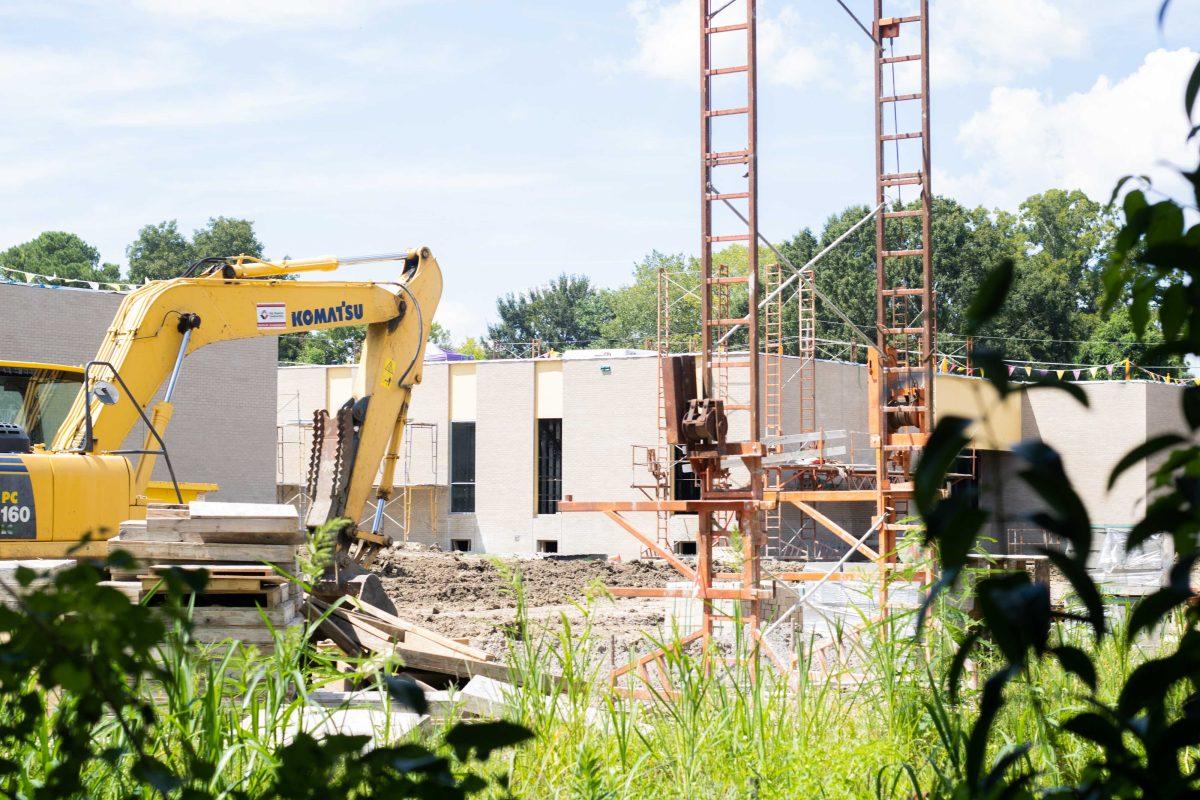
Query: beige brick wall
{"x": 223, "y": 430}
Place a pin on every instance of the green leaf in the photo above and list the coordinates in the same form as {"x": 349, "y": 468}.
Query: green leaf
{"x": 989, "y": 705}
{"x": 1073, "y": 389}
{"x": 1121, "y": 184}
{"x": 1076, "y": 662}
{"x": 990, "y": 297}
{"x": 1193, "y": 86}
{"x": 1141, "y": 453}
{"x": 1017, "y": 614}
{"x": 1002, "y": 764}
{"x": 406, "y": 693}
{"x": 1075, "y": 572}
{"x": 1095, "y": 728}
{"x": 944, "y": 446}
{"x": 481, "y": 738}
{"x": 959, "y": 662}
{"x": 1191, "y": 406}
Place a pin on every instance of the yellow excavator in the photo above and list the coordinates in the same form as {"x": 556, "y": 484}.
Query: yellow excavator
{"x": 62, "y": 486}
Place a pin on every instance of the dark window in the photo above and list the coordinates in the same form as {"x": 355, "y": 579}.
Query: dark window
{"x": 547, "y": 545}
{"x": 685, "y": 548}
{"x": 460, "y": 545}
{"x": 549, "y": 475}
{"x": 686, "y": 484}
{"x": 462, "y": 467}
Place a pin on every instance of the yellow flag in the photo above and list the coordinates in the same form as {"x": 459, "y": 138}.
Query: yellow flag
{"x": 1028, "y": 370}
{"x": 945, "y": 365}
{"x": 1059, "y": 373}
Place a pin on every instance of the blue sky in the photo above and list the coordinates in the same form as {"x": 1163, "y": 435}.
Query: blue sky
{"x": 521, "y": 139}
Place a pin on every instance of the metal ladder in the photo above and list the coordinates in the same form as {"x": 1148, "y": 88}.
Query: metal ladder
{"x": 905, "y": 312}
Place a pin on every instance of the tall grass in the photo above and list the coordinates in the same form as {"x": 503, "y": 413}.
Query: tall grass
{"x": 882, "y": 725}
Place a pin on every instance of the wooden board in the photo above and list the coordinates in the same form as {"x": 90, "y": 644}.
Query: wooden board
{"x": 204, "y": 509}
{"x": 204, "y": 551}
{"x": 166, "y": 511}
{"x": 222, "y": 529}
{"x": 223, "y": 616}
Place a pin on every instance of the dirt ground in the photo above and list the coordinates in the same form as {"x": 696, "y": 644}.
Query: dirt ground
{"x": 466, "y": 596}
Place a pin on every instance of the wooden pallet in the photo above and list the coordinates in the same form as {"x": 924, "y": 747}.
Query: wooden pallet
{"x": 239, "y": 545}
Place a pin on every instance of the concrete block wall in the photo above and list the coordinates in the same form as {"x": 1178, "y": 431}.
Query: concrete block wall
{"x": 604, "y": 415}
{"x": 223, "y": 430}
{"x": 504, "y": 456}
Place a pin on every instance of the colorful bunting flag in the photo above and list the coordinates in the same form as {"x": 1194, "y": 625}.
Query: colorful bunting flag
{"x": 1059, "y": 373}
{"x": 1075, "y": 372}
{"x": 1012, "y": 368}
{"x": 1028, "y": 370}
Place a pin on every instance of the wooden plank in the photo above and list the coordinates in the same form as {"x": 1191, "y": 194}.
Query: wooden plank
{"x": 224, "y": 569}
{"x": 131, "y": 589}
{"x": 232, "y": 529}
{"x": 166, "y": 511}
{"x": 205, "y": 509}
{"x": 224, "y": 616}
{"x": 412, "y": 631}
{"x": 193, "y": 551}
{"x": 214, "y": 635}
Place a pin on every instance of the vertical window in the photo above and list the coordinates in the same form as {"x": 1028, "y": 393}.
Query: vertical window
{"x": 462, "y": 467}
{"x": 549, "y": 465}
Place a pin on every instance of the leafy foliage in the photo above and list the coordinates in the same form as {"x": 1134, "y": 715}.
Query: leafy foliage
{"x": 566, "y": 312}
{"x": 161, "y": 251}
{"x": 80, "y": 667}
{"x": 1141, "y": 738}
{"x": 62, "y": 255}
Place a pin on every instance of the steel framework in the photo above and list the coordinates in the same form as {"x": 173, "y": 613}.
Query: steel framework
{"x": 748, "y": 477}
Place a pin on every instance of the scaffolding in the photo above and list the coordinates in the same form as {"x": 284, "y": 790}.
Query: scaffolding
{"x": 749, "y": 476}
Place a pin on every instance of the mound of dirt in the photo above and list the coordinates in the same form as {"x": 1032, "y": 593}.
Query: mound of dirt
{"x": 453, "y": 581}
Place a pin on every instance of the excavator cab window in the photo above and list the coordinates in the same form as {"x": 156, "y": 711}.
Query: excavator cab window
{"x": 37, "y": 398}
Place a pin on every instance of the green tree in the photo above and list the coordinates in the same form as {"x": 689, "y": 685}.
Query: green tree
{"x": 439, "y": 335}
{"x": 471, "y": 347}
{"x": 633, "y": 320}
{"x": 226, "y": 236}
{"x": 62, "y": 255}
{"x": 566, "y": 312}
{"x": 159, "y": 252}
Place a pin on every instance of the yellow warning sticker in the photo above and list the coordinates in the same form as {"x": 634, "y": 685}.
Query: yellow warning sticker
{"x": 389, "y": 373}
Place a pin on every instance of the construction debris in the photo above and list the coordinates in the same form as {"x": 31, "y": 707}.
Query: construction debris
{"x": 247, "y": 549}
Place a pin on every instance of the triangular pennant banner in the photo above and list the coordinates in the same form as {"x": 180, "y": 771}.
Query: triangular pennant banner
{"x": 1012, "y": 368}
{"x": 1059, "y": 373}
{"x": 1075, "y": 372}
{"x": 1028, "y": 370}
{"x": 945, "y": 365}
{"x": 1109, "y": 367}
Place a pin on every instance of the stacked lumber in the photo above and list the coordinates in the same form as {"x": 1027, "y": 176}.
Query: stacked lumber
{"x": 240, "y": 545}
{"x": 46, "y": 569}
{"x": 360, "y": 629}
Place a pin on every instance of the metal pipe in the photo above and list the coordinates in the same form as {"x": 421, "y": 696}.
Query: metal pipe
{"x": 797, "y": 273}
{"x": 187, "y": 336}
{"x": 377, "y": 522}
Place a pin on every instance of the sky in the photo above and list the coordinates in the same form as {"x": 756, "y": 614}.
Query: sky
{"x": 519, "y": 140}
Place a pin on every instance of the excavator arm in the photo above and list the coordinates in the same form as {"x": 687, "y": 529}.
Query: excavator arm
{"x": 160, "y": 323}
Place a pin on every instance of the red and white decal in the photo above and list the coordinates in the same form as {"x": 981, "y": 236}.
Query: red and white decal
{"x": 270, "y": 315}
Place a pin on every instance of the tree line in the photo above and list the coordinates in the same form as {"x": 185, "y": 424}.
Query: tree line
{"x": 1058, "y": 240}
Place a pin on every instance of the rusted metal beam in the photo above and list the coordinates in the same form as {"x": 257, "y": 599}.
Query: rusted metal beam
{"x": 734, "y": 504}
{"x": 652, "y": 545}
{"x": 695, "y": 592}
{"x": 837, "y": 530}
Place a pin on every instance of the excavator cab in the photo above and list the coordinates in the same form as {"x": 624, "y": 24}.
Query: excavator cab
{"x": 35, "y": 398}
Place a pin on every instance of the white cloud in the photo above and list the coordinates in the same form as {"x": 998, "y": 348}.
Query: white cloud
{"x": 791, "y": 51}
{"x": 1026, "y": 141}
{"x": 267, "y": 13}
{"x": 460, "y": 319}
{"x": 990, "y": 42}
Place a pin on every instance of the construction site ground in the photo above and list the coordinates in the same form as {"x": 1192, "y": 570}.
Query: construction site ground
{"x": 470, "y": 596}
